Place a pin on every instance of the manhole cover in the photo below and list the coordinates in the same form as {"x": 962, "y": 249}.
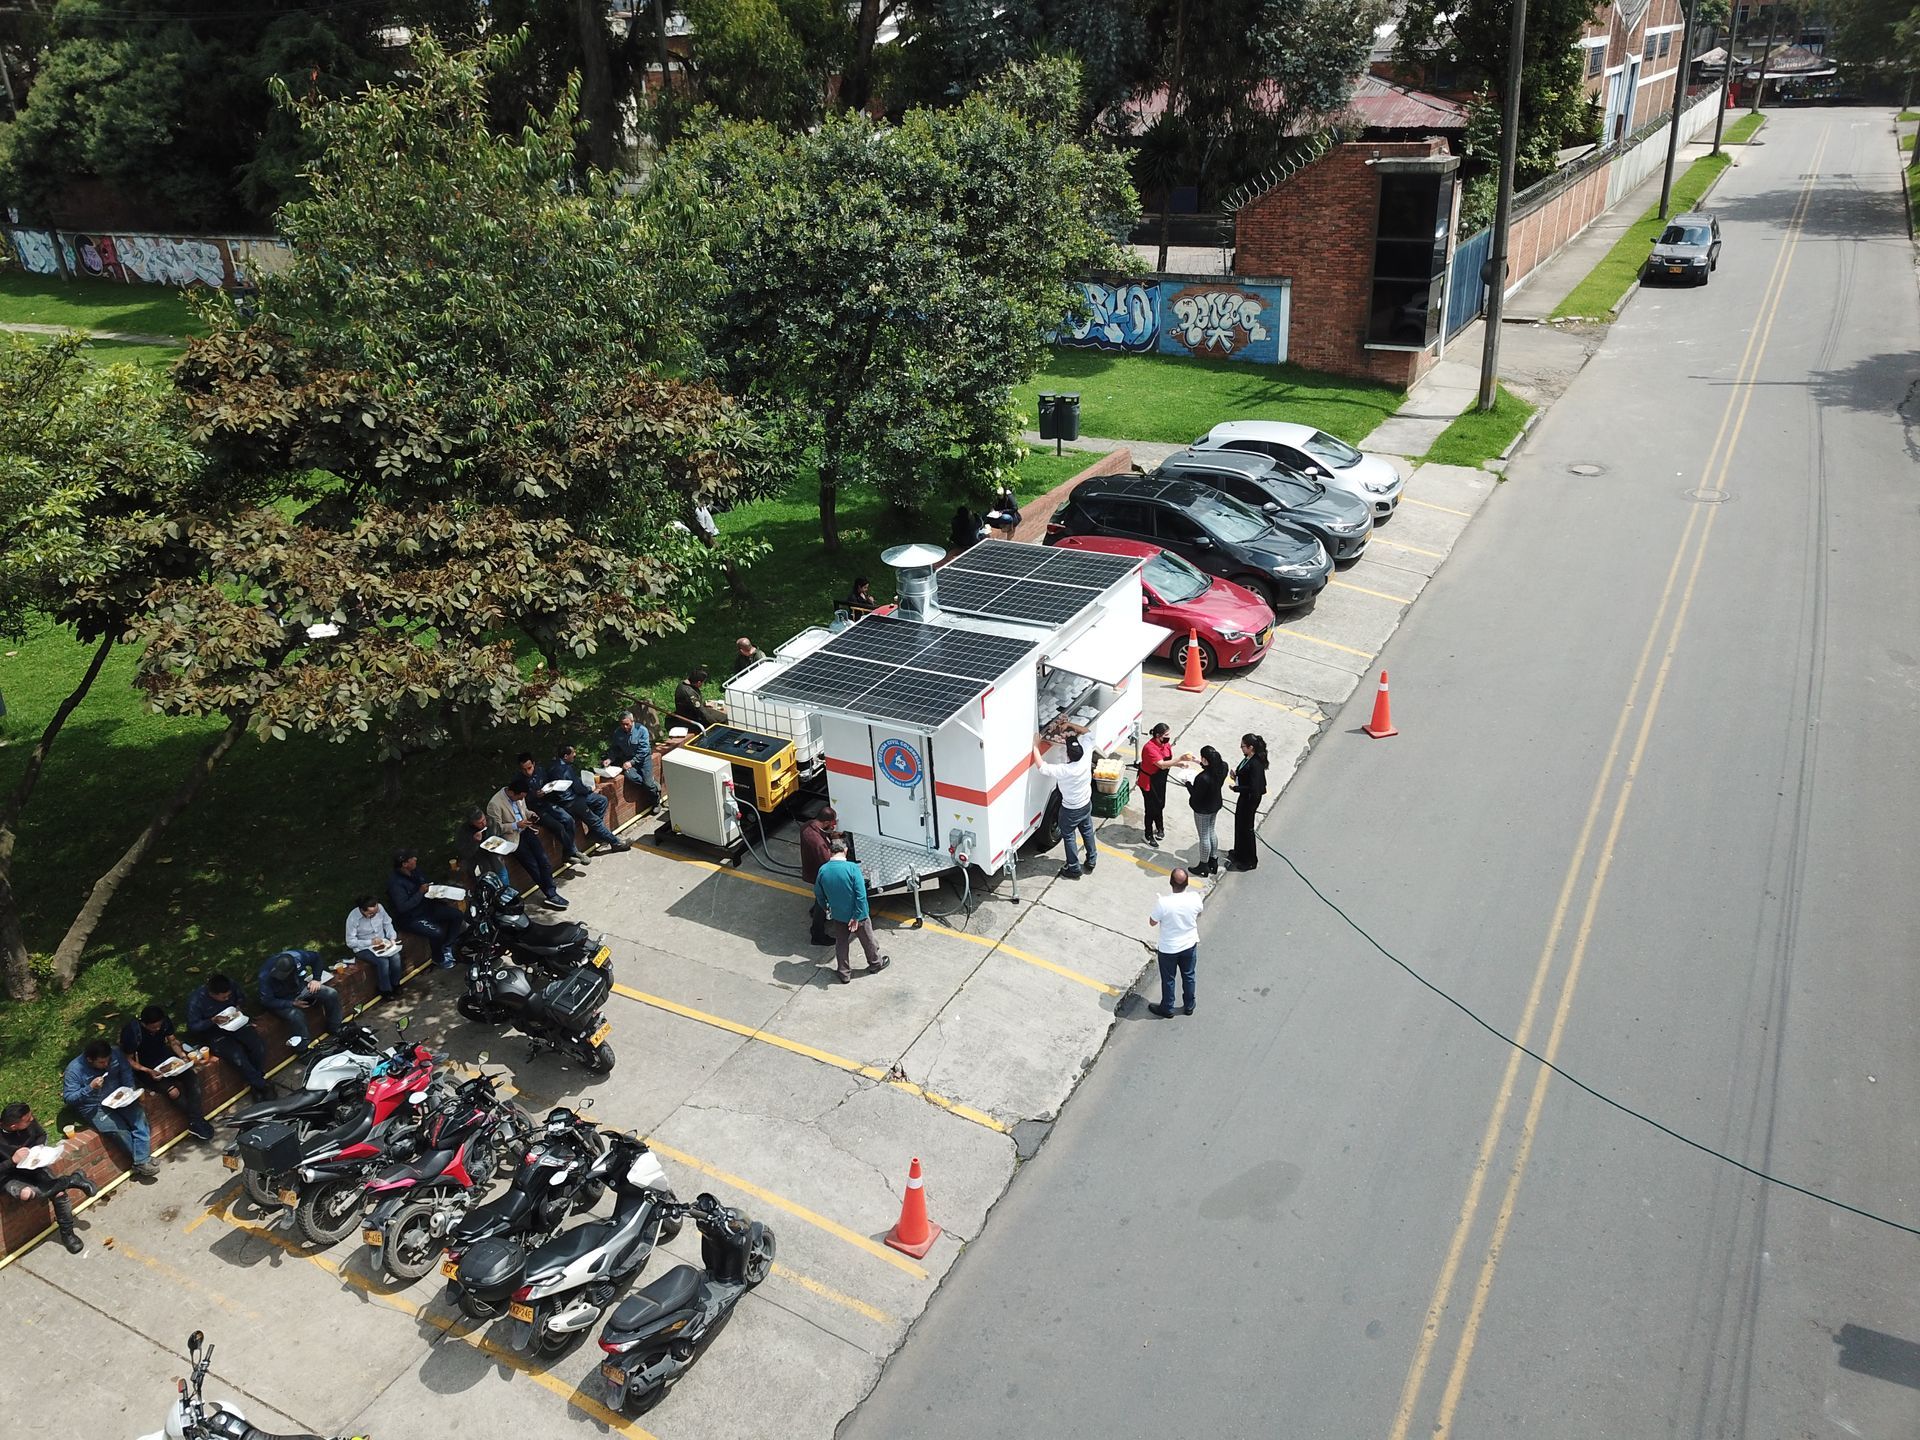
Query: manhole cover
{"x": 1708, "y": 497}
{"x": 1587, "y": 468}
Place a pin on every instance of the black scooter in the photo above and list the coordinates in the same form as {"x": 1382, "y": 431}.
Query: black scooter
{"x": 654, "y": 1337}
{"x": 562, "y": 1015}
{"x": 557, "y": 1177}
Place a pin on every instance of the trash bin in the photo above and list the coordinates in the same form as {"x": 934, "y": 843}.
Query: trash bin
{"x": 1066, "y": 417}
{"x": 1049, "y": 416}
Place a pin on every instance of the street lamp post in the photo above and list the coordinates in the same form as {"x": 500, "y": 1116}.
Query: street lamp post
{"x": 1720, "y": 120}
{"x": 1503, "y": 209}
{"x": 1679, "y": 96}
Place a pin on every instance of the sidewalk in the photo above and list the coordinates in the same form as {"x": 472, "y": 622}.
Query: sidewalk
{"x": 1538, "y": 360}
{"x": 130, "y": 337}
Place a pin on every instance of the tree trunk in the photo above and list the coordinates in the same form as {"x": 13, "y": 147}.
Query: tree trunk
{"x": 13, "y": 941}
{"x": 1166, "y": 225}
{"x": 66, "y": 959}
{"x": 597, "y": 103}
{"x": 829, "y": 502}
{"x": 856, "y": 86}
{"x": 736, "y": 582}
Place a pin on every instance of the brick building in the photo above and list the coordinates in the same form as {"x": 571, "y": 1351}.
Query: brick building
{"x": 1366, "y": 232}
{"x": 1632, "y": 51}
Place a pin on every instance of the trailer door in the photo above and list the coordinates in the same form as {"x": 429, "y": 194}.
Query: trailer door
{"x": 903, "y": 785}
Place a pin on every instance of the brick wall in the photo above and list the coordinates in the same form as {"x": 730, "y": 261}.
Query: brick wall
{"x": 1318, "y": 227}
{"x": 1035, "y": 513}
{"x": 1537, "y": 236}
{"x": 21, "y": 1221}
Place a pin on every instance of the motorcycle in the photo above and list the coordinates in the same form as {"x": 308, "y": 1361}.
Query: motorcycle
{"x": 337, "y": 1071}
{"x": 190, "y": 1419}
{"x": 656, "y": 1334}
{"x": 498, "y": 927}
{"x": 279, "y": 1165}
{"x": 557, "y": 1177}
{"x": 557, "y": 1291}
{"x": 563, "y": 1015}
{"x": 466, "y": 1139}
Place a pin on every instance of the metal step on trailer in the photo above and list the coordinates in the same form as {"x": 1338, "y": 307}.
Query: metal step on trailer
{"x": 895, "y": 868}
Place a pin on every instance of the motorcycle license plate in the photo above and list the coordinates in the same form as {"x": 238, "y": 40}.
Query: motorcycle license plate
{"x": 605, "y": 1030}
{"x": 521, "y": 1312}
{"x": 450, "y": 1268}
{"x": 372, "y": 1236}
{"x": 289, "y": 1197}
{"x": 601, "y": 957}
{"x": 614, "y": 1375}
{"x": 232, "y": 1162}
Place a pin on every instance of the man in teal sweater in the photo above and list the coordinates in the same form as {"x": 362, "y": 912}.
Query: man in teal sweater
{"x": 840, "y": 891}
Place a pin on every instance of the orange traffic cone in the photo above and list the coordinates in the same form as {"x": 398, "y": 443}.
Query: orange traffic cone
{"x": 1381, "y": 726}
{"x": 1194, "y": 679}
{"x": 915, "y": 1234}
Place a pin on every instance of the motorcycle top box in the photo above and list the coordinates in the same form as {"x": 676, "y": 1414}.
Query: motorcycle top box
{"x": 573, "y": 999}
{"x": 492, "y": 1269}
{"x": 272, "y": 1146}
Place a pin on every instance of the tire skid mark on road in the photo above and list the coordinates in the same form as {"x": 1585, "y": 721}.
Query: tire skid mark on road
{"x": 1716, "y": 469}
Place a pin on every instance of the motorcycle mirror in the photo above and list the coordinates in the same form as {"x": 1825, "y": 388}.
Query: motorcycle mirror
{"x": 194, "y": 1341}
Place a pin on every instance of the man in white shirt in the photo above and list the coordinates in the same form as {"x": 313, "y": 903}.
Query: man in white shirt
{"x": 371, "y": 937}
{"x": 1073, "y": 776}
{"x": 1176, "y": 915}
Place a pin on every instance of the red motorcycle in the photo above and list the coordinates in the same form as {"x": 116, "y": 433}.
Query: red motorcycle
{"x": 466, "y": 1139}
{"x": 311, "y": 1174}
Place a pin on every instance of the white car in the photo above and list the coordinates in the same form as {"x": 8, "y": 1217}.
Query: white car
{"x": 1314, "y": 453}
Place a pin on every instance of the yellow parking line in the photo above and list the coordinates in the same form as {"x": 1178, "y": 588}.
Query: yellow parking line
{"x": 1377, "y": 594}
{"x": 178, "y": 1277}
{"x": 798, "y": 1211}
{"x": 1410, "y": 549}
{"x": 452, "y": 1329}
{"x": 928, "y": 925}
{"x": 1443, "y": 509}
{"x": 1316, "y": 640}
{"x": 826, "y": 1292}
{"x": 1131, "y": 859}
{"x": 825, "y": 1057}
{"x": 1300, "y": 710}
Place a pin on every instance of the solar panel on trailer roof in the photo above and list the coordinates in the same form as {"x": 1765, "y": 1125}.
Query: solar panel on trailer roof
{"x": 1086, "y": 567}
{"x": 1034, "y": 600}
{"x": 997, "y": 557}
{"x": 965, "y": 590}
{"x": 976, "y": 656}
{"x": 915, "y": 698}
{"x": 889, "y": 639}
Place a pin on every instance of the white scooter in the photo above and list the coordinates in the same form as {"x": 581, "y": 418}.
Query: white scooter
{"x": 191, "y": 1419}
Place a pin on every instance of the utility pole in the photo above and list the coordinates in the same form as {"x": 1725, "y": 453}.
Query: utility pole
{"x": 1503, "y": 208}
{"x": 1773, "y": 19}
{"x": 1679, "y": 98}
{"x": 1720, "y": 120}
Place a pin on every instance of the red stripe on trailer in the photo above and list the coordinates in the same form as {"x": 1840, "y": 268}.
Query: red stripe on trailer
{"x": 983, "y": 797}
{"x": 850, "y": 767}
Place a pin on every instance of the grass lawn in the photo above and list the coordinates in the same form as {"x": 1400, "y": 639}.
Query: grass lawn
{"x": 1909, "y": 115}
{"x": 287, "y": 833}
{"x": 1741, "y": 130}
{"x": 1597, "y": 295}
{"x": 1478, "y": 436}
{"x": 94, "y": 305}
{"x": 1906, "y": 142}
{"x": 1173, "y": 400}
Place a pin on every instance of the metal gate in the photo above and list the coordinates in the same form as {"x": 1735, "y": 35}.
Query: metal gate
{"x": 1466, "y": 290}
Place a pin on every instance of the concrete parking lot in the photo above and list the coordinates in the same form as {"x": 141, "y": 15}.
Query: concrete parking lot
{"x": 753, "y": 1076}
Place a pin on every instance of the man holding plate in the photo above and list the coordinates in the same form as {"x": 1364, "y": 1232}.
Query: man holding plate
{"x": 99, "y": 1084}
{"x": 371, "y": 937}
{"x": 163, "y": 1064}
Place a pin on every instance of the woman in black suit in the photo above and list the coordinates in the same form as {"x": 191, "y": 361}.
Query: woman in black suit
{"x": 1249, "y": 787}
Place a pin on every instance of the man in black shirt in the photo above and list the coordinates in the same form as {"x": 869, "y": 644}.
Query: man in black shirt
{"x": 689, "y": 708}
{"x": 21, "y": 1134}
{"x": 149, "y": 1043}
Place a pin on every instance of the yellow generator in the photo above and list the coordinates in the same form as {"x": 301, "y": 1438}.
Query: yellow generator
{"x": 764, "y": 770}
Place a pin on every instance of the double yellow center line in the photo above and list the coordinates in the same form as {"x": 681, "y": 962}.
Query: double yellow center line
{"x": 1687, "y": 560}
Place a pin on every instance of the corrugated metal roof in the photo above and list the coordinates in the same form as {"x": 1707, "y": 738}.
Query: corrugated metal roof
{"x": 1384, "y": 105}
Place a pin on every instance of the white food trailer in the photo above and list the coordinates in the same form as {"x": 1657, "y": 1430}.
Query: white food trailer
{"x": 924, "y": 716}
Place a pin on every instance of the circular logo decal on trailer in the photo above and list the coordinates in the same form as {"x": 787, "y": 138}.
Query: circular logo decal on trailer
{"x": 900, "y": 763}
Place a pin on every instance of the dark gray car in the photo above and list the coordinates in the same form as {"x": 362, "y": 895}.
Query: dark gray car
{"x": 1338, "y": 519}
{"x": 1687, "y": 251}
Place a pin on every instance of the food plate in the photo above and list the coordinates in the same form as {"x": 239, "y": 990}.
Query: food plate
{"x": 554, "y": 787}
{"x": 499, "y": 845}
{"x": 678, "y": 732}
{"x": 610, "y": 772}
{"x": 123, "y": 1097}
{"x": 172, "y": 1066}
{"x": 446, "y": 892}
{"x": 42, "y": 1157}
{"x": 230, "y": 1019}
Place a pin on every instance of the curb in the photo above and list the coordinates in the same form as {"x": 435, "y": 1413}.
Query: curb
{"x": 1514, "y": 444}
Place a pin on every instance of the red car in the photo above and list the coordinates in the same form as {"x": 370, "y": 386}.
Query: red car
{"x": 1235, "y": 625}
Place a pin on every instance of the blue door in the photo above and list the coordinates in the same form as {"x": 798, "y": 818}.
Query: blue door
{"x": 1466, "y": 291}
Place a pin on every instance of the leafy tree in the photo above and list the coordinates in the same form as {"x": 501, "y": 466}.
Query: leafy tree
{"x": 767, "y": 60}
{"x": 89, "y": 458}
{"x": 1473, "y": 36}
{"x": 892, "y": 285}
{"x": 164, "y": 103}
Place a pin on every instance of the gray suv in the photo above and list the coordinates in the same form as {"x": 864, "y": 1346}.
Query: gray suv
{"x": 1688, "y": 250}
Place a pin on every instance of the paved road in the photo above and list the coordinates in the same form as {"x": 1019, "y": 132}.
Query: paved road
{"x": 1652, "y": 807}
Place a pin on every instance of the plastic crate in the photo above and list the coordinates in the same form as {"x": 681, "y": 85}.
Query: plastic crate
{"x": 1106, "y": 806}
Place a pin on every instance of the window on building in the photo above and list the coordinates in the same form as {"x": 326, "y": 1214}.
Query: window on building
{"x": 1648, "y": 55}
{"x": 1409, "y": 260}
{"x": 1666, "y": 44}
{"x": 1596, "y": 58}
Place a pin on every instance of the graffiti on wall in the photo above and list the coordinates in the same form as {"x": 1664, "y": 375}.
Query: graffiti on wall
{"x": 1210, "y": 317}
{"x": 177, "y": 260}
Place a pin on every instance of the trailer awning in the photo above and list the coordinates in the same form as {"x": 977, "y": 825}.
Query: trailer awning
{"x": 1110, "y": 651}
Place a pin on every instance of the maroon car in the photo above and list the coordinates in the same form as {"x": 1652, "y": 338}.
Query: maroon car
{"x": 1234, "y": 625}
